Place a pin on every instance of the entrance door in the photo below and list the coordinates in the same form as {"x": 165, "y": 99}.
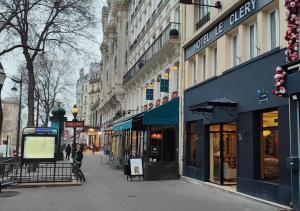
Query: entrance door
{"x": 223, "y": 154}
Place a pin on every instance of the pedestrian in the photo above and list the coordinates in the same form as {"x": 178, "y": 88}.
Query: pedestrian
{"x": 94, "y": 148}
{"x": 79, "y": 157}
{"x": 68, "y": 151}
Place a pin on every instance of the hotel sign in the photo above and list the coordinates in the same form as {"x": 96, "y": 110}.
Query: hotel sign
{"x": 229, "y": 22}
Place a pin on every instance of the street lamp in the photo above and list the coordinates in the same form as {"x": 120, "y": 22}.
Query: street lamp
{"x": 2, "y": 79}
{"x": 18, "y": 81}
{"x": 74, "y": 111}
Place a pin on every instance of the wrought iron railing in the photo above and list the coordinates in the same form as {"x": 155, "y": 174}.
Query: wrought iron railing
{"x": 42, "y": 172}
{"x": 159, "y": 43}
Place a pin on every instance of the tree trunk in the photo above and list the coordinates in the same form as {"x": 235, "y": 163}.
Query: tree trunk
{"x": 31, "y": 87}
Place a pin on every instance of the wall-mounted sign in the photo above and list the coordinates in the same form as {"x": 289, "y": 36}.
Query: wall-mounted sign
{"x": 154, "y": 150}
{"x": 164, "y": 85}
{"x": 74, "y": 123}
{"x": 262, "y": 96}
{"x": 229, "y": 22}
{"x": 149, "y": 94}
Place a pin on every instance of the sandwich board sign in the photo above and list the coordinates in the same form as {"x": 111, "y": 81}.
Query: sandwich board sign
{"x": 136, "y": 167}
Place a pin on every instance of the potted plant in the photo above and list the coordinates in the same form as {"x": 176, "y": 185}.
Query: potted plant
{"x": 165, "y": 99}
{"x": 174, "y": 94}
{"x": 157, "y": 102}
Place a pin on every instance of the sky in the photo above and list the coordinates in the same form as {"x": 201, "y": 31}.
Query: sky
{"x": 12, "y": 61}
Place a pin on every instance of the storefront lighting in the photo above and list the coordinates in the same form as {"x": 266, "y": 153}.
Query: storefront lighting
{"x": 166, "y": 75}
{"x": 266, "y": 133}
{"x": 176, "y": 66}
{"x": 156, "y": 136}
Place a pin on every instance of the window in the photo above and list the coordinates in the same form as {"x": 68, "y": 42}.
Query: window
{"x": 269, "y": 142}
{"x": 215, "y": 62}
{"x": 235, "y": 58}
{"x": 273, "y": 30}
{"x": 202, "y": 10}
{"x": 193, "y": 68}
{"x": 192, "y": 144}
{"x": 203, "y": 67}
{"x": 252, "y": 41}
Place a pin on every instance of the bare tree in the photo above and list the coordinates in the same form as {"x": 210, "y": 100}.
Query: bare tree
{"x": 42, "y": 25}
{"x": 52, "y": 85}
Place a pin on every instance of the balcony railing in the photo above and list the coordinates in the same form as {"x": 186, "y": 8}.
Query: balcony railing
{"x": 159, "y": 43}
{"x": 203, "y": 21}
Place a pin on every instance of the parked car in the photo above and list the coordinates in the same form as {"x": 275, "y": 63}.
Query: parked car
{"x": 6, "y": 151}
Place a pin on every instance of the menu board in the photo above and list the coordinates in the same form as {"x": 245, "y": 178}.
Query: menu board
{"x": 136, "y": 167}
{"x": 39, "y": 147}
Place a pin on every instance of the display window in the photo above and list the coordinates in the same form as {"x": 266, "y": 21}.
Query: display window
{"x": 192, "y": 145}
{"x": 269, "y": 143}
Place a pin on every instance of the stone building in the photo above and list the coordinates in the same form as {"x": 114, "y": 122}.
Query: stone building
{"x": 10, "y": 108}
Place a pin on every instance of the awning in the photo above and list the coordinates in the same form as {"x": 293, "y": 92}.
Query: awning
{"x": 167, "y": 114}
{"x": 122, "y": 126}
{"x": 210, "y": 105}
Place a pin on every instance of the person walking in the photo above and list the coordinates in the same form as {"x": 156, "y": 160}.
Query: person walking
{"x": 94, "y": 148}
{"x": 79, "y": 157}
{"x": 68, "y": 151}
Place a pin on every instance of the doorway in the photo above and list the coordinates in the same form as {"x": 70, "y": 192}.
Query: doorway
{"x": 222, "y": 154}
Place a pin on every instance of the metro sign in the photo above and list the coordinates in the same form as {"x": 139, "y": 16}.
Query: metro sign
{"x": 74, "y": 123}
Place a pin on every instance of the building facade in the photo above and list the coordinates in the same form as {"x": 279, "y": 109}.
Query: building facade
{"x": 113, "y": 51}
{"x": 148, "y": 125}
{"x": 87, "y": 94}
{"x": 10, "y": 108}
{"x": 234, "y": 131}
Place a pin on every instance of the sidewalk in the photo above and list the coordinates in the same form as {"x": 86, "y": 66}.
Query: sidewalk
{"x": 108, "y": 190}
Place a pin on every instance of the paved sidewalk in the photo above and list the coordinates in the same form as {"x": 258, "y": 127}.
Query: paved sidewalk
{"x": 108, "y": 190}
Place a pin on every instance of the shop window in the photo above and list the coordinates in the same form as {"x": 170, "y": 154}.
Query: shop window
{"x": 252, "y": 41}
{"x": 269, "y": 143}
{"x": 192, "y": 144}
{"x": 273, "y": 30}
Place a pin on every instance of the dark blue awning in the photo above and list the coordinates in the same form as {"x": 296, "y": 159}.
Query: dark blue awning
{"x": 167, "y": 114}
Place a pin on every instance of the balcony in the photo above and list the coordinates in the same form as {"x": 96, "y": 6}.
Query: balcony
{"x": 160, "y": 43}
{"x": 95, "y": 80}
{"x": 203, "y": 21}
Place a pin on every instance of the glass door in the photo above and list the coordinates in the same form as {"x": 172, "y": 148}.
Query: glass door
{"x": 223, "y": 142}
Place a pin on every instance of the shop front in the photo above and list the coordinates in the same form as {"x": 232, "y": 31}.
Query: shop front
{"x": 161, "y": 161}
{"x": 153, "y": 137}
{"x": 237, "y": 131}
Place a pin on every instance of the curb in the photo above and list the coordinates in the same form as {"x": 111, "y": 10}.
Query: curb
{"x": 198, "y": 182}
{"x": 38, "y": 185}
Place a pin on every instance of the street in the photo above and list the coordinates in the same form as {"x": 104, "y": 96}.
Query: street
{"x": 107, "y": 190}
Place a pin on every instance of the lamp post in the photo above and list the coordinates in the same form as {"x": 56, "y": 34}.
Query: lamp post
{"x": 2, "y": 79}
{"x": 74, "y": 111}
{"x": 18, "y": 81}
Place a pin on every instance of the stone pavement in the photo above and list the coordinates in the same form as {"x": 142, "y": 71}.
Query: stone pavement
{"x": 108, "y": 190}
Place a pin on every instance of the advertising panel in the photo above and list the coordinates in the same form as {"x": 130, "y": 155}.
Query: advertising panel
{"x": 39, "y": 147}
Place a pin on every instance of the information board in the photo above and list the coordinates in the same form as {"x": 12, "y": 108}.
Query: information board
{"x": 136, "y": 167}
{"x": 39, "y": 147}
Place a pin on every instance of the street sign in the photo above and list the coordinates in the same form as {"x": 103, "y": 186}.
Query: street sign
{"x": 74, "y": 123}
{"x": 40, "y": 130}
